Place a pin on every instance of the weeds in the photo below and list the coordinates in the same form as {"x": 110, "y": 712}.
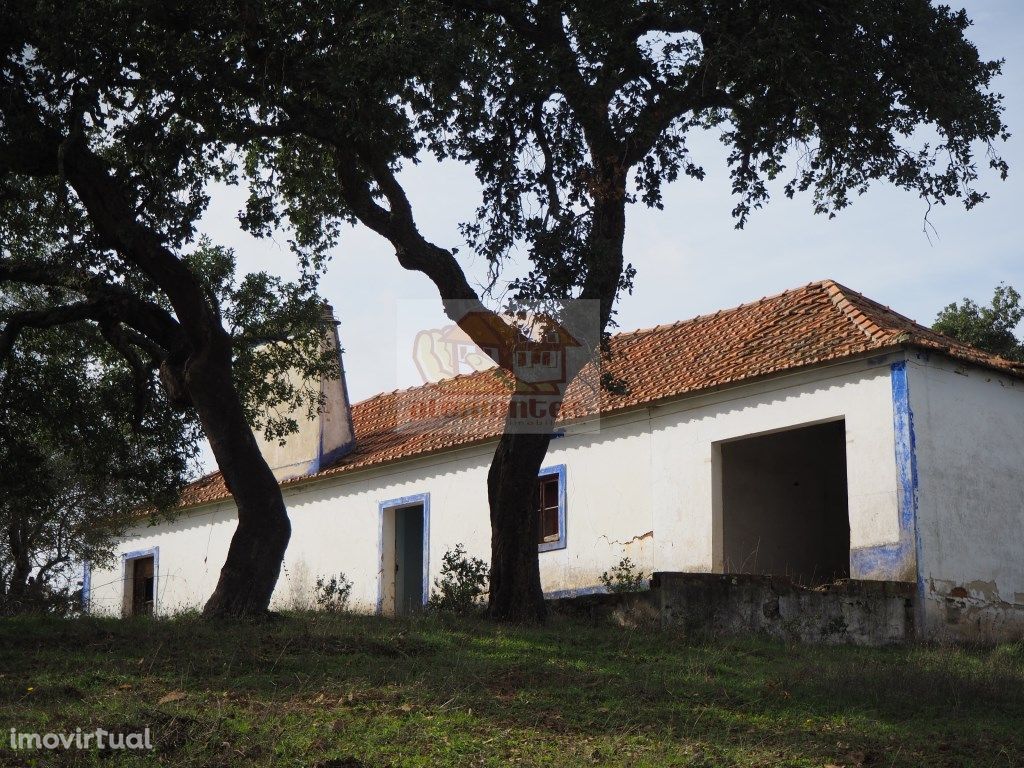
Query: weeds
{"x": 624, "y": 577}
{"x": 332, "y": 595}
{"x": 462, "y": 585}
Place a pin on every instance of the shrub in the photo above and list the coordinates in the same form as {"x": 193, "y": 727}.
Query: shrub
{"x": 624, "y": 577}
{"x": 41, "y": 596}
{"x": 332, "y": 594}
{"x": 462, "y": 583}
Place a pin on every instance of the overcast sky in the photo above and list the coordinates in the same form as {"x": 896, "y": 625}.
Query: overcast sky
{"x": 689, "y": 258}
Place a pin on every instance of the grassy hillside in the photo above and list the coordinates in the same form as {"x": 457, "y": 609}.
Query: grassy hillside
{"x": 362, "y": 691}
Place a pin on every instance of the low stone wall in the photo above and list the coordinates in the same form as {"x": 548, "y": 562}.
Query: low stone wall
{"x": 629, "y": 609}
{"x": 856, "y": 612}
{"x": 709, "y": 605}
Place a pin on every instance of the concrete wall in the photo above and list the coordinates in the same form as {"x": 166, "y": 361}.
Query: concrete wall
{"x": 646, "y": 485}
{"x": 968, "y": 433}
{"x": 710, "y": 605}
{"x": 336, "y": 525}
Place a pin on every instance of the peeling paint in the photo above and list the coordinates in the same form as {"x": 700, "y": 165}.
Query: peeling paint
{"x": 974, "y": 611}
{"x": 986, "y": 589}
{"x": 978, "y": 589}
{"x": 969, "y": 506}
{"x": 897, "y": 561}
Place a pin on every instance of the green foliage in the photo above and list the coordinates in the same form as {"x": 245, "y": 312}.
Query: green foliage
{"x": 278, "y": 333}
{"x": 84, "y": 445}
{"x": 70, "y": 72}
{"x": 624, "y": 577}
{"x": 568, "y": 111}
{"x": 991, "y": 328}
{"x": 332, "y": 595}
{"x": 462, "y": 584}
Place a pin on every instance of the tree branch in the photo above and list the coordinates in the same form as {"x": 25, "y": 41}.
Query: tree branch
{"x": 150, "y": 326}
{"x": 548, "y": 35}
{"x": 112, "y": 215}
{"x": 112, "y": 332}
{"x": 397, "y": 224}
{"x": 668, "y": 102}
{"x": 47, "y": 318}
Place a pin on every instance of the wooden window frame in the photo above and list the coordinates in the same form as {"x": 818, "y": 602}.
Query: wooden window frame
{"x": 546, "y": 474}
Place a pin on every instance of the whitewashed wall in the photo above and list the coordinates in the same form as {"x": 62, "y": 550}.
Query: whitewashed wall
{"x": 687, "y": 504}
{"x": 643, "y": 485}
{"x": 969, "y": 434}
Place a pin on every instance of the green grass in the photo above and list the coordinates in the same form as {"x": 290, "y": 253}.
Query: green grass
{"x": 364, "y": 691}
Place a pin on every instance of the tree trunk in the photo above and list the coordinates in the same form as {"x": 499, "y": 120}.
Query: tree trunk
{"x": 21, "y": 569}
{"x": 515, "y": 592}
{"x": 197, "y": 370}
{"x": 253, "y": 564}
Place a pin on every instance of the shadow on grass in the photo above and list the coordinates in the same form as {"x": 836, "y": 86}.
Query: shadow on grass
{"x": 250, "y": 686}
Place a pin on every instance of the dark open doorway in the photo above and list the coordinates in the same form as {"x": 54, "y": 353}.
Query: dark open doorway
{"x": 141, "y": 578}
{"x": 784, "y": 504}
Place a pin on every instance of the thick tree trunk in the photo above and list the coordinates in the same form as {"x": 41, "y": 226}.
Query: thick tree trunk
{"x": 515, "y": 591}
{"x": 197, "y": 370}
{"x": 253, "y": 564}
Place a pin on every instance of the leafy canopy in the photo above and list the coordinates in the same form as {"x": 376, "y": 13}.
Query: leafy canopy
{"x": 568, "y": 111}
{"x": 81, "y": 458}
{"x": 81, "y": 135}
{"x": 992, "y": 328}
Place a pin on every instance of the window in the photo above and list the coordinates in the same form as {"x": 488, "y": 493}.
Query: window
{"x": 549, "y": 501}
{"x": 547, "y": 504}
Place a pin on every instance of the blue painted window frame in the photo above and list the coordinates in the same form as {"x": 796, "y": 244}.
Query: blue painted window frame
{"x": 153, "y": 552}
{"x": 392, "y": 504}
{"x": 559, "y": 470}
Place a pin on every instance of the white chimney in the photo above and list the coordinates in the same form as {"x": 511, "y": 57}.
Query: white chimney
{"x": 326, "y": 437}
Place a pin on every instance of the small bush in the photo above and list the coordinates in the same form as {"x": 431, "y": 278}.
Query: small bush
{"x": 462, "y": 584}
{"x": 624, "y": 577}
{"x": 41, "y": 597}
{"x": 332, "y": 594}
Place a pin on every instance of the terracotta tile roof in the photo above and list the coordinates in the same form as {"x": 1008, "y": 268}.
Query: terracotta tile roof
{"x": 819, "y": 323}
